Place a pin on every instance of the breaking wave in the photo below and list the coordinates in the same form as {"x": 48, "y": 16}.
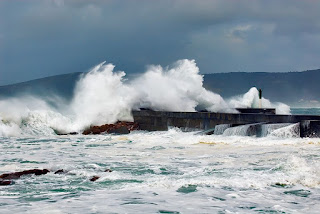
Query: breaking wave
{"x": 104, "y": 96}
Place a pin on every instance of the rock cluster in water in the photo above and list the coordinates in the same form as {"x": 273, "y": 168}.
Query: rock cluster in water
{"x": 117, "y": 128}
{"x": 6, "y": 178}
{"x": 16, "y": 175}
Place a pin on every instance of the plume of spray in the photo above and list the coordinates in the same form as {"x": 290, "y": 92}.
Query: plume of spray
{"x": 179, "y": 88}
{"x": 251, "y": 100}
{"x": 101, "y": 97}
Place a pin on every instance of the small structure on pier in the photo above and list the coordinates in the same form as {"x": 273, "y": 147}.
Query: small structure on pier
{"x": 256, "y": 110}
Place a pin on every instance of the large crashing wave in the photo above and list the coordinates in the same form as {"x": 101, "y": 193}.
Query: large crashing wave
{"x": 104, "y": 96}
{"x": 179, "y": 88}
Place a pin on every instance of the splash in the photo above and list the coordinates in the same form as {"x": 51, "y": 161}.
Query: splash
{"x": 179, "y": 88}
{"x": 30, "y": 116}
{"x": 287, "y": 131}
{"x": 268, "y": 129}
{"x": 101, "y": 97}
{"x": 104, "y": 96}
{"x": 251, "y": 100}
{"x": 219, "y": 129}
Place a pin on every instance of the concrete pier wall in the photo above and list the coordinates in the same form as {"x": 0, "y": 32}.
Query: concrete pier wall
{"x": 160, "y": 120}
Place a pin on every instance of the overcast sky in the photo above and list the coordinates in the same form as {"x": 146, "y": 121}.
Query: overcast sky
{"x": 40, "y": 38}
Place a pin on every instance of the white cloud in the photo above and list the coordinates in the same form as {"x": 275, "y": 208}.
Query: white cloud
{"x": 239, "y": 33}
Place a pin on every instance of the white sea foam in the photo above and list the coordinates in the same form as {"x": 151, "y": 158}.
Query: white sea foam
{"x": 151, "y": 170}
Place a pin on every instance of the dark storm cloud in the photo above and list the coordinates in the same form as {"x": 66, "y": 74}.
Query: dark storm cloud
{"x": 42, "y": 38}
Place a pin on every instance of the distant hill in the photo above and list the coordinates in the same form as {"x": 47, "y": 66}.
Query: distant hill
{"x": 61, "y": 85}
{"x": 294, "y": 88}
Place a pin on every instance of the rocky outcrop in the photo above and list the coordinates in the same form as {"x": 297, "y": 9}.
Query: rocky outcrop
{"x": 60, "y": 171}
{"x": 6, "y": 178}
{"x": 94, "y": 178}
{"x": 5, "y": 183}
{"x": 62, "y": 133}
{"x": 117, "y": 128}
{"x": 16, "y": 175}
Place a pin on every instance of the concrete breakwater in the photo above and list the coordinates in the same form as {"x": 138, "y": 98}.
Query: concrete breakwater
{"x": 309, "y": 125}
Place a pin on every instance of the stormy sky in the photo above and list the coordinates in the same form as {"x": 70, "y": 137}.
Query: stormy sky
{"x": 40, "y": 38}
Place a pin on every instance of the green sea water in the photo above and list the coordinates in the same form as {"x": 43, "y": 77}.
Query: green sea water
{"x": 162, "y": 172}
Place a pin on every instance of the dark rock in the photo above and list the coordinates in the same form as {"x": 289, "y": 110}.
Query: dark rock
{"x": 60, "y": 171}
{"x": 65, "y": 133}
{"x": 94, "y": 178}
{"x": 73, "y": 133}
{"x": 120, "y": 130}
{"x": 16, "y": 175}
{"x": 39, "y": 171}
{"x": 278, "y": 184}
{"x": 108, "y": 170}
{"x": 146, "y": 109}
{"x": 117, "y": 128}
{"x": 310, "y": 128}
{"x": 5, "y": 183}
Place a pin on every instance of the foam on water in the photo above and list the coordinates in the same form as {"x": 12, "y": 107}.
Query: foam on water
{"x": 152, "y": 172}
{"x": 163, "y": 171}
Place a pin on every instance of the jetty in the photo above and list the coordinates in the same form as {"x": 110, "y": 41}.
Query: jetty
{"x": 253, "y": 120}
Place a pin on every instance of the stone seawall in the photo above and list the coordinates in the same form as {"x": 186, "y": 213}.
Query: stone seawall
{"x": 160, "y": 120}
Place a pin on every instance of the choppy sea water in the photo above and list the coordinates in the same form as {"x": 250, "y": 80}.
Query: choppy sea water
{"x": 305, "y": 111}
{"x": 162, "y": 172}
{"x": 152, "y": 172}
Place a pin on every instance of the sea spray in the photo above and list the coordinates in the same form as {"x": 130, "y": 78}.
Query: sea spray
{"x": 179, "y": 88}
{"x": 103, "y": 96}
{"x": 29, "y": 116}
{"x": 287, "y": 131}
{"x": 267, "y": 129}
{"x": 251, "y": 100}
{"x": 220, "y": 128}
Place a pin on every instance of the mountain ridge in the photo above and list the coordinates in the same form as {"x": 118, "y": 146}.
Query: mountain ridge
{"x": 297, "y": 88}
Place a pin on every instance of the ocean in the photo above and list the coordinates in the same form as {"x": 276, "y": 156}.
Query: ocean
{"x": 162, "y": 172}
{"x": 151, "y": 172}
